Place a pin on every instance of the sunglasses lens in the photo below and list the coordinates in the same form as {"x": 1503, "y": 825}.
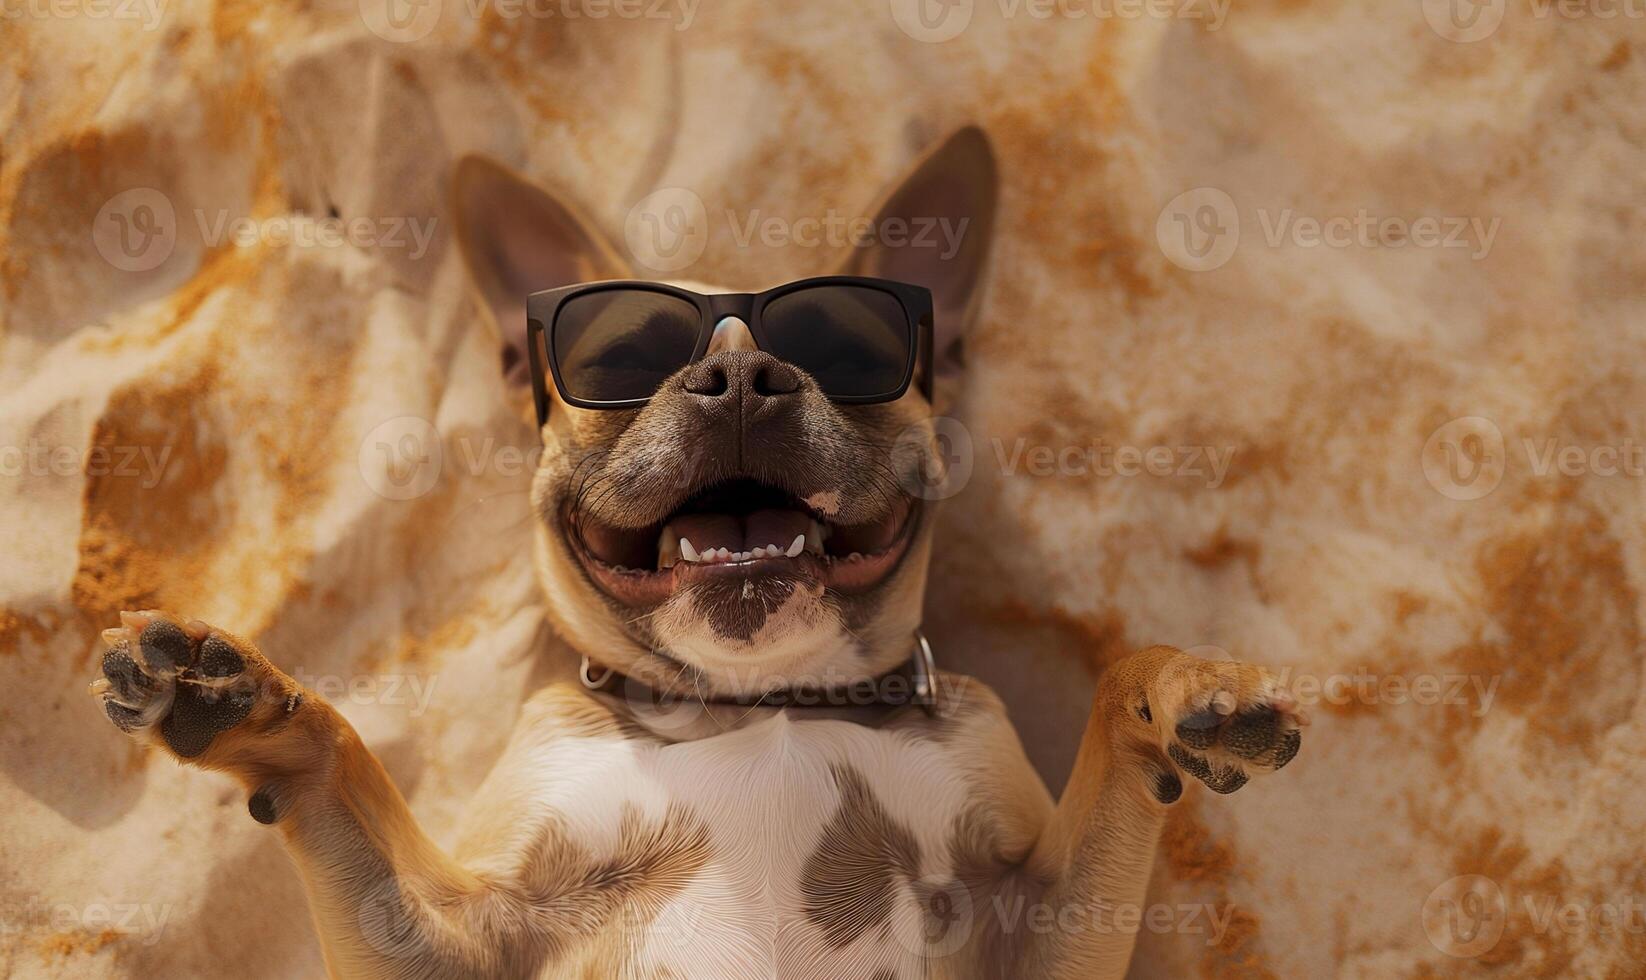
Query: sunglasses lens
{"x": 620, "y": 344}
{"x": 855, "y": 341}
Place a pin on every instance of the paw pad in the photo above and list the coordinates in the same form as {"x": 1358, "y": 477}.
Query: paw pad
{"x": 188, "y": 682}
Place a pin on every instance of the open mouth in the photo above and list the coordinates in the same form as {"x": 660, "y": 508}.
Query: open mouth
{"x": 740, "y": 528}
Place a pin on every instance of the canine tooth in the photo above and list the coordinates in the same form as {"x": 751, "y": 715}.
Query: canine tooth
{"x": 688, "y": 552}
{"x": 724, "y": 554}
{"x": 814, "y": 537}
{"x": 668, "y": 549}
{"x": 794, "y": 549}
{"x": 113, "y": 635}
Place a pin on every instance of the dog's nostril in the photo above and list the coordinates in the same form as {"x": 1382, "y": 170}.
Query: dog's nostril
{"x": 707, "y": 379}
{"x": 776, "y": 378}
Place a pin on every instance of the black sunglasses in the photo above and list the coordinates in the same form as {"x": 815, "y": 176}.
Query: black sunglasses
{"x": 612, "y": 344}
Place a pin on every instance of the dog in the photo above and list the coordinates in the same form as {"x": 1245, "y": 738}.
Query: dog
{"x": 697, "y": 797}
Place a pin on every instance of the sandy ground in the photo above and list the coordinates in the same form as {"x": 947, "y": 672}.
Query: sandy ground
{"x": 1366, "y": 406}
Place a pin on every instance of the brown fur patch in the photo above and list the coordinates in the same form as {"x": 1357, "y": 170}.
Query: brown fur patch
{"x": 850, "y": 879}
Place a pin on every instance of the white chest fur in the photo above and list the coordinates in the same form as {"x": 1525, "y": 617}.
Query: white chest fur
{"x": 805, "y": 847}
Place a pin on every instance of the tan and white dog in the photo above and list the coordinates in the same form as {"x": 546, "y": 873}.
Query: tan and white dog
{"x": 654, "y": 827}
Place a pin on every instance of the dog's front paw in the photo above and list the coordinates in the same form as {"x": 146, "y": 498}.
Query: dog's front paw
{"x": 186, "y": 685}
{"x": 1219, "y": 721}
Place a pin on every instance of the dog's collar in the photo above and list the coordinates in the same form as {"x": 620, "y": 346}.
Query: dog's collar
{"x": 911, "y": 682}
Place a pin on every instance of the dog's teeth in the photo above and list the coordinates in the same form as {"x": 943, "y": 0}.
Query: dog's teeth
{"x": 796, "y": 547}
{"x": 758, "y": 553}
{"x": 814, "y": 538}
{"x": 114, "y": 635}
{"x": 743, "y": 556}
{"x": 668, "y": 549}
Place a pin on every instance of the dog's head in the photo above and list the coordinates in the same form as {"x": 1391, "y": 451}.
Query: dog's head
{"x": 738, "y": 450}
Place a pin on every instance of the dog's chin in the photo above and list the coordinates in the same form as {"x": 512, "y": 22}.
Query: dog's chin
{"x": 739, "y": 552}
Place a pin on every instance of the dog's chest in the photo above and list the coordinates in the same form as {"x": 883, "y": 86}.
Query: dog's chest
{"x": 788, "y": 846}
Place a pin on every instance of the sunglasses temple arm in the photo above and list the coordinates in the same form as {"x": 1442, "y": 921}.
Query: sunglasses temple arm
{"x": 927, "y": 370}
{"x": 540, "y": 388}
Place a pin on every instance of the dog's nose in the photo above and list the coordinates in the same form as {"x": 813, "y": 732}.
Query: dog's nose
{"x": 743, "y": 377}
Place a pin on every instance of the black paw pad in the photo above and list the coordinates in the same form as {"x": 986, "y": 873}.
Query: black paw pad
{"x": 262, "y": 808}
{"x": 1167, "y": 787}
{"x": 197, "y": 716}
{"x": 1289, "y": 744}
{"x": 1226, "y": 780}
{"x": 1199, "y": 730}
{"x": 124, "y": 718}
{"x": 1194, "y": 765}
{"x": 1221, "y": 779}
{"x": 125, "y": 676}
{"x": 1253, "y": 732}
{"x": 219, "y": 658}
{"x": 165, "y": 646}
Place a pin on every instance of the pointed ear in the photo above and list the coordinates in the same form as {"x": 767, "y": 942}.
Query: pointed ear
{"x": 516, "y": 239}
{"x": 933, "y": 229}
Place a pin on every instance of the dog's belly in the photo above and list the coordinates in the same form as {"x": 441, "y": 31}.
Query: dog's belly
{"x": 788, "y": 847}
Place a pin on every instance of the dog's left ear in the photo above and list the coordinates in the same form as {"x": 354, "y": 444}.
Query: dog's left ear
{"x": 933, "y": 229}
{"x": 518, "y": 238}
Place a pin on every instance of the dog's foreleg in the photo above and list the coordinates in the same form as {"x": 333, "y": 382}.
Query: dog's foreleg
{"x": 1156, "y": 715}
{"x": 386, "y": 901}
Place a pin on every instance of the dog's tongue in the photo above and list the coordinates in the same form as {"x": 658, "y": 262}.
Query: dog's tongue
{"x": 761, "y": 529}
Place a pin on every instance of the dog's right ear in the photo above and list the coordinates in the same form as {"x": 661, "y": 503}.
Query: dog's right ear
{"x": 516, "y": 239}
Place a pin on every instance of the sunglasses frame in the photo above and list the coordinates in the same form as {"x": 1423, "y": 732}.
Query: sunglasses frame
{"x": 542, "y": 308}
